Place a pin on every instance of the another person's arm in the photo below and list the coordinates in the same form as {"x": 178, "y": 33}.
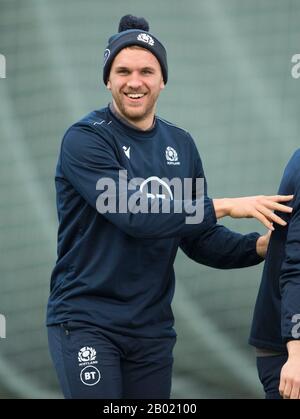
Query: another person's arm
{"x": 290, "y": 289}
{"x": 289, "y": 387}
{"x": 290, "y": 309}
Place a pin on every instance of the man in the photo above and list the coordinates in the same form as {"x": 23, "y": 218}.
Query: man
{"x": 276, "y": 322}
{"x": 110, "y": 323}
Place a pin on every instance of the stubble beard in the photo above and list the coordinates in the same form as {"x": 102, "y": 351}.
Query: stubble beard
{"x": 136, "y": 114}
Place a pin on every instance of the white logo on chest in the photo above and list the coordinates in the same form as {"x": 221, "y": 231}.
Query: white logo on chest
{"x": 172, "y": 156}
{"x": 126, "y": 151}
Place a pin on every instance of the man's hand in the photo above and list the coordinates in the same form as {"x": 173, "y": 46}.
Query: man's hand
{"x": 289, "y": 387}
{"x": 262, "y": 244}
{"x": 260, "y": 207}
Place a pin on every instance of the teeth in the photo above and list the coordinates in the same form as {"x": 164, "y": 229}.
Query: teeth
{"x": 135, "y": 95}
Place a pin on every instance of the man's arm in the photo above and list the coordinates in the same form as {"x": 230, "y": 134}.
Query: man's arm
{"x": 290, "y": 310}
{"x": 260, "y": 207}
{"x": 222, "y": 248}
{"x": 290, "y": 288}
{"x": 290, "y": 276}
{"x": 289, "y": 387}
{"x": 87, "y": 156}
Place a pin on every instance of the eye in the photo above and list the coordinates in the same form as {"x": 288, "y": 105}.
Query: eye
{"x": 123, "y": 71}
{"x": 147, "y": 71}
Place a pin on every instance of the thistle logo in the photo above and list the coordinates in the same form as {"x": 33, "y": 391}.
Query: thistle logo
{"x": 2, "y": 67}
{"x": 87, "y": 354}
{"x": 172, "y": 156}
{"x": 2, "y": 327}
{"x": 144, "y": 37}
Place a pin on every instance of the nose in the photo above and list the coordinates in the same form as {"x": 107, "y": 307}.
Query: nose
{"x": 134, "y": 81}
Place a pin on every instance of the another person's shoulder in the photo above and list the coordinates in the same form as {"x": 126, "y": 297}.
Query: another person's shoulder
{"x": 292, "y": 172}
{"x": 293, "y": 167}
{"x": 295, "y": 159}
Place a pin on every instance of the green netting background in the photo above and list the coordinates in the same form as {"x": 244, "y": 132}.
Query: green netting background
{"x": 230, "y": 85}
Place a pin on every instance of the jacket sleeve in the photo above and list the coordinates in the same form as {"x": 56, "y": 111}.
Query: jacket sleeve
{"x": 222, "y": 248}
{"x": 290, "y": 278}
{"x": 218, "y": 246}
{"x": 88, "y": 157}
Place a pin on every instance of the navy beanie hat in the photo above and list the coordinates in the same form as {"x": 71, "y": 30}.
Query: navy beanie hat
{"x": 134, "y": 31}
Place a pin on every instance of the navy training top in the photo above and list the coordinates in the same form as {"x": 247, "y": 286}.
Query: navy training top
{"x": 115, "y": 270}
{"x": 278, "y": 299}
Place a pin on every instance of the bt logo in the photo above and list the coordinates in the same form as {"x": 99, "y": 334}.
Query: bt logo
{"x": 90, "y": 376}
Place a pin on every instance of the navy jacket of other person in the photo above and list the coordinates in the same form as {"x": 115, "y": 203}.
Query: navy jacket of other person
{"x": 277, "y": 311}
{"x": 115, "y": 271}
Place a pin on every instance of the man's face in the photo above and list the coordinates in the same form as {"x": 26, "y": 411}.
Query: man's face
{"x": 135, "y": 82}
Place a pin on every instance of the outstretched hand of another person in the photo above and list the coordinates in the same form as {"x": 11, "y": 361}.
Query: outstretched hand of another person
{"x": 289, "y": 387}
{"x": 260, "y": 207}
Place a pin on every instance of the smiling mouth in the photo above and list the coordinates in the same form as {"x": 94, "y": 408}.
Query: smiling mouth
{"x": 135, "y": 96}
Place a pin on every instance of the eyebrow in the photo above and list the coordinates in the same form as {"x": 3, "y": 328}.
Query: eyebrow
{"x": 149, "y": 68}
{"x": 121, "y": 68}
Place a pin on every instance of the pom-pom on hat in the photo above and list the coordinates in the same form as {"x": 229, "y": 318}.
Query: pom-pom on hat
{"x": 134, "y": 31}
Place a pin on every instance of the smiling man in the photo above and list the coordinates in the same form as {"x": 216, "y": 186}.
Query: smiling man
{"x": 134, "y": 86}
{"x": 110, "y": 322}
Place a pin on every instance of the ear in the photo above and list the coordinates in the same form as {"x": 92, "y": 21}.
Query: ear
{"x": 108, "y": 85}
{"x": 162, "y": 84}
